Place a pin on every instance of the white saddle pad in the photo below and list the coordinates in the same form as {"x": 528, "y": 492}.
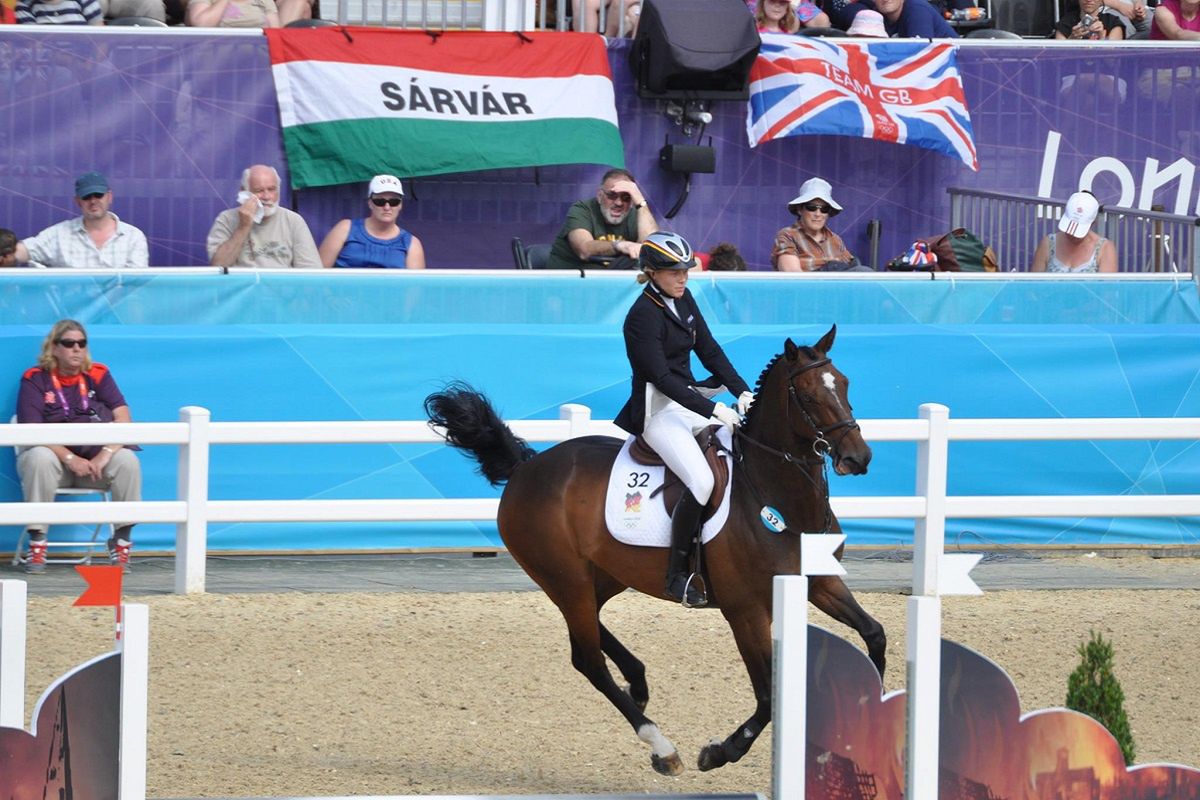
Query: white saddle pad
{"x": 633, "y": 517}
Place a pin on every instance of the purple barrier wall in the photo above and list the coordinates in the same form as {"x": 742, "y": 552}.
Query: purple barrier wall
{"x": 173, "y": 118}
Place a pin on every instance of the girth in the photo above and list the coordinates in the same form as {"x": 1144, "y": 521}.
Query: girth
{"x": 673, "y": 487}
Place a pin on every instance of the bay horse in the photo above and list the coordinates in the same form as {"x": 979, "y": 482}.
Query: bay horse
{"x": 551, "y": 518}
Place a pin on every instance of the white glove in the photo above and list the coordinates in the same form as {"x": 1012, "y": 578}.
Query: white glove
{"x": 744, "y": 401}
{"x": 724, "y": 415}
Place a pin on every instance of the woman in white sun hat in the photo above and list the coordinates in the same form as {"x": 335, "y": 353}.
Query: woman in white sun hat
{"x": 1076, "y": 247}
{"x": 376, "y": 240}
{"x": 809, "y": 245}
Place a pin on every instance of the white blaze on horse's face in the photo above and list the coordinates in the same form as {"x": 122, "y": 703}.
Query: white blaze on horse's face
{"x": 829, "y": 381}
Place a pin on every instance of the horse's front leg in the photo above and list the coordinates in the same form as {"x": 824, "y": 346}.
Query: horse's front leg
{"x": 752, "y": 632}
{"x": 831, "y": 594}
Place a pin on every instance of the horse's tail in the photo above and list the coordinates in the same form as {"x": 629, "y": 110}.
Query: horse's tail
{"x": 472, "y": 425}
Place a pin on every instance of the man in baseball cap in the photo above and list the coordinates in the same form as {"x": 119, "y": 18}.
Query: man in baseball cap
{"x": 97, "y": 239}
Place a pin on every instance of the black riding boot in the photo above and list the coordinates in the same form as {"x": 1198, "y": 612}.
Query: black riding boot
{"x": 685, "y": 521}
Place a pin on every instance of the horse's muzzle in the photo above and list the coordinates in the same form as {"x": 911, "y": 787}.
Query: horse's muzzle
{"x": 852, "y": 463}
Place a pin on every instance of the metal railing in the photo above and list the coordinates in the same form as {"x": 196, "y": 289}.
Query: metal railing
{"x": 1013, "y": 224}
{"x": 610, "y": 17}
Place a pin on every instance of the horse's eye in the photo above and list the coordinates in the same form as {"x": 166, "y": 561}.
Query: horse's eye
{"x": 806, "y": 397}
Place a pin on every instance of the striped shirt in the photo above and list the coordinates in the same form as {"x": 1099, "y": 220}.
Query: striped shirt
{"x": 67, "y": 244}
{"x": 59, "y": 12}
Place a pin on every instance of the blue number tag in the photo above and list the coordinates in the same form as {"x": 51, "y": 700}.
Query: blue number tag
{"x": 772, "y": 520}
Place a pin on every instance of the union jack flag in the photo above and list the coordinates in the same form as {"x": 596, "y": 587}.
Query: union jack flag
{"x": 909, "y": 93}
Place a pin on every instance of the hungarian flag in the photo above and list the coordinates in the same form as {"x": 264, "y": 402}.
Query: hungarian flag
{"x": 356, "y": 102}
{"x": 910, "y": 93}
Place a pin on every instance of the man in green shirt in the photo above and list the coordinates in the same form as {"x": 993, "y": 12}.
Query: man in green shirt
{"x": 610, "y": 225}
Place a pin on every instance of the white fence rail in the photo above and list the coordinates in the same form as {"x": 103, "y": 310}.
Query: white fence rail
{"x": 195, "y": 434}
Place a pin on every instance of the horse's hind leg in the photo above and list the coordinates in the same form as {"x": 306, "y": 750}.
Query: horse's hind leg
{"x": 831, "y": 594}
{"x": 581, "y": 611}
{"x": 631, "y": 668}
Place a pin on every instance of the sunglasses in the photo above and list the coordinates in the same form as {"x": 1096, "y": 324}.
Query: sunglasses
{"x": 386, "y": 201}
{"x": 624, "y": 197}
{"x": 93, "y": 196}
{"x": 817, "y": 207}
{"x": 71, "y": 344}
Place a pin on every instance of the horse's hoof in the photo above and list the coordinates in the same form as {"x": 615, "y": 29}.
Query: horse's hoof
{"x": 667, "y": 765}
{"x": 712, "y": 755}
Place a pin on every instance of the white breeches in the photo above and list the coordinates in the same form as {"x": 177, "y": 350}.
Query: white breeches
{"x": 671, "y": 431}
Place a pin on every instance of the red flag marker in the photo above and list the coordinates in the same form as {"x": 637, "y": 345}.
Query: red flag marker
{"x": 104, "y": 586}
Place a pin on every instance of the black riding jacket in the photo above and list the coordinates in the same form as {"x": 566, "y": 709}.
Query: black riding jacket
{"x": 659, "y": 345}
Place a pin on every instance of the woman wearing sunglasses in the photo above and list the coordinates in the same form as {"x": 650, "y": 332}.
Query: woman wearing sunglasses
{"x": 808, "y": 244}
{"x": 377, "y": 240}
{"x": 67, "y": 386}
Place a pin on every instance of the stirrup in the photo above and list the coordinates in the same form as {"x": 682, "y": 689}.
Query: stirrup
{"x": 700, "y": 594}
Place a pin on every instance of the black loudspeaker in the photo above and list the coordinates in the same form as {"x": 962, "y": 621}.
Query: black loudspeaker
{"x": 687, "y": 158}
{"x": 694, "y": 50}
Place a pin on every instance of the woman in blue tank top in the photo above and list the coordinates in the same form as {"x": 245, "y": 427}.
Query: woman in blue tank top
{"x": 377, "y": 240}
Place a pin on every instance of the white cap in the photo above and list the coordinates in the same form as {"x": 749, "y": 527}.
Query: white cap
{"x": 814, "y": 189}
{"x": 1079, "y": 214}
{"x": 385, "y": 183}
{"x": 868, "y": 23}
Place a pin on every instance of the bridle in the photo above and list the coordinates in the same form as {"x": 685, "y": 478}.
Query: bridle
{"x": 821, "y": 446}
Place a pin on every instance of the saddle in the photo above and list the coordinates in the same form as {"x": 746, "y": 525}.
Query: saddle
{"x": 673, "y": 487}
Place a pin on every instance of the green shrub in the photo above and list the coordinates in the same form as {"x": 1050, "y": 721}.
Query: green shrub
{"x": 1093, "y": 690}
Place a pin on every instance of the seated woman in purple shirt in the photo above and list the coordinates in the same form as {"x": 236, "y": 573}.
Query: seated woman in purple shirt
{"x": 377, "y": 240}
{"x": 1176, "y": 19}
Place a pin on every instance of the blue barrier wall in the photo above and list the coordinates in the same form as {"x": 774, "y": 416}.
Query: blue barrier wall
{"x": 371, "y": 347}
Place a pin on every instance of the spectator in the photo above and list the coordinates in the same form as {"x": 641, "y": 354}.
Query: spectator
{"x": 233, "y": 14}
{"x": 59, "y": 12}
{"x": 96, "y": 240}
{"x": 154, "y": 9}
{"x": 842, "y": 12}
{"x": 1176, "y": 19}
{"x": 259, "y": 233}
{"x": 809, "y": 245}
{"x": 722, "y": 258}
{"x": 603, "y": 226}
{"x": 8, "y": 248}
{"x": 1076, "y": 247}
{"x": 1132, "y": 15}
{"x": 868, "y": 24}
{"x": 67, "y": 386}
{"x": 376, "y": 241}
{"x": 1086, "y": 22}
{"x": 780, "y": 16}
{"x": 914, "y": 19}
{"x": 587, "y": 16}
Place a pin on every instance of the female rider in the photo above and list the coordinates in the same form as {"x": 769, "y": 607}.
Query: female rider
{"x": 661, "y": 330}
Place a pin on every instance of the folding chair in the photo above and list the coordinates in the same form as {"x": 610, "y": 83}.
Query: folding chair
{"x": 83, "y": 549}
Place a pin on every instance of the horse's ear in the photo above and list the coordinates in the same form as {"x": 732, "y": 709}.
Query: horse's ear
{"x": 826, "y": 343}
{"x": 789, "y": 349}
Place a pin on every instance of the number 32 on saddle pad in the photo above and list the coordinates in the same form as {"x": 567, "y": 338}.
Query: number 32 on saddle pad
{"x": 635, "y": 517}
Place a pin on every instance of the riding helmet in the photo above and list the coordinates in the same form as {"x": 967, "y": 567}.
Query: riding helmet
{"x": 665, "y": 250}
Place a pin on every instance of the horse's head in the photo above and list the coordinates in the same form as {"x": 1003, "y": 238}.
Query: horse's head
{"x": 817, "y": 407}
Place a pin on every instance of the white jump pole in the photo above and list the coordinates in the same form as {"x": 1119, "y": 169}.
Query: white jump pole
{"x": 135, "y": 670}
{"x": 12, "y": 654}
{"x": 789, "y": 681}
{"x": 191, "y": 535}
{"x": 934, "y": 574}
